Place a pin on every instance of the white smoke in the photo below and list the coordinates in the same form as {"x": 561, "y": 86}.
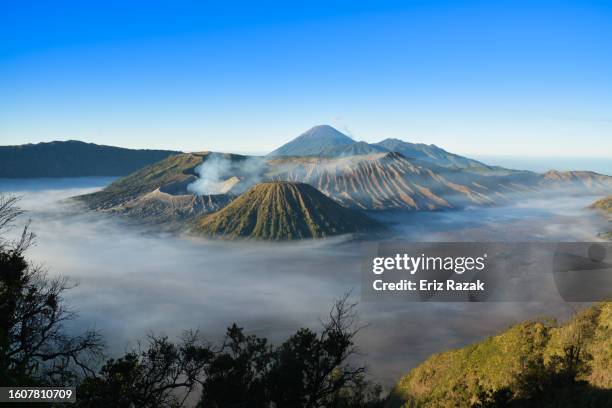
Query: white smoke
{"x": 219, "y": 174}
{"x": 211, "y": 175}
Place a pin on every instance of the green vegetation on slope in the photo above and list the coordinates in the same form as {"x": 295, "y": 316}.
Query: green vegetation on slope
{"x": 73, "y": 159}
{"x": 605, "y": 207}
{"x": 535, "y": 363}
{"x": 178, "y": 168}
{"x": 280, "y": 211}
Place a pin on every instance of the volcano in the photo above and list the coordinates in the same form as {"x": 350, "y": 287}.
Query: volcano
{"x": 186, "y": 189}
{"x": 317, "y": 141}
{"x": 283, "y": 211}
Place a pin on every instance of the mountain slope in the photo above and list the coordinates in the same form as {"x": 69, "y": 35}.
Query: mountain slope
{"x": 381, "y": 181}
{"x": 355, "y": 149}
{"x": 283, "y": 211}
{"x": 316, "y": 141}
{"x": 172, "y": 171}
{"x": 429, "y": 153}
{"x": 595, "y": 182}
{"x": 160, "y": 207}
{"x": 73, "y": 159}
{"x": 325, "y": 141}
{"x": 604, "y": 206}
{"x": 515, "y": 364}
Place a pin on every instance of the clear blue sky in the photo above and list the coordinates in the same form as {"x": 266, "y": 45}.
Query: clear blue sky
{"x": 475, "y": 77}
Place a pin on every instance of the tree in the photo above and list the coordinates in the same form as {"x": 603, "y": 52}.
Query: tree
{"x": 237, "y": 375}
{"x": 161, "y": 375}
{"x": 310, "y": 369}
{"x": 572, "y": 362}
{"x": 34, "y": 348}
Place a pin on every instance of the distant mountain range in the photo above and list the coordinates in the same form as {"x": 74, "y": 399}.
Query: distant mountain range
{"x": 182, "y": 189}
{"x": 73, "y": 159}
{"x": 429, "y": 153}
{"x": 325, "y": 141}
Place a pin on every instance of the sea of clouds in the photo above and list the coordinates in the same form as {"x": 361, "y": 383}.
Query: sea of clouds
{"x": 132, "y": 282}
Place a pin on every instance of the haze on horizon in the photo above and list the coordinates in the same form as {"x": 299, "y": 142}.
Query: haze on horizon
{"x": 476, "y": 78}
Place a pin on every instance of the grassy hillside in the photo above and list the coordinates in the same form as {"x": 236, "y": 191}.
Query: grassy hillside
{"x": 282, "y": 211}
{"x": 73, "y": 159}
{"x": 535, "y": 363}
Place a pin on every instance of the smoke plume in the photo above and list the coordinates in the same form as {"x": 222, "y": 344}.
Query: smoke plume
{"x": 221, "y": 174}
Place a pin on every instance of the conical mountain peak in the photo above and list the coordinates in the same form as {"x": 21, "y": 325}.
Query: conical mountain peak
{"x": 315, "y": 141}
{"x": 283, "y": 210}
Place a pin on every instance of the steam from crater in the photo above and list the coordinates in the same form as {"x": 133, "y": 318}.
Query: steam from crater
{"x": 222, "y": 174}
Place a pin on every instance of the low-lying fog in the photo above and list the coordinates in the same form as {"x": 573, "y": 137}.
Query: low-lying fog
{"x": 131, "y": 283}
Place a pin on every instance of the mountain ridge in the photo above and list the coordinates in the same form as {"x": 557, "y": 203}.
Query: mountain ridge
{"x": 73, "y": 158}
{"x": 429, "y": 153}
{"x": 326, "y": 141}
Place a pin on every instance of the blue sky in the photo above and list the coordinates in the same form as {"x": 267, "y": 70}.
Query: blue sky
{"x": 475, "y": 77}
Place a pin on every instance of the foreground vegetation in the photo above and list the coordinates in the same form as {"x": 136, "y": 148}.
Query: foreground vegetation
{"x": 533, "y": 364}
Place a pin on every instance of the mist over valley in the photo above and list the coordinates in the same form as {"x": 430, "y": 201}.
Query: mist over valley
{"x": 132, "y": 280}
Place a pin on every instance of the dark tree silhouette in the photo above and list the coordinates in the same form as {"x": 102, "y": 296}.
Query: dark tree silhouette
{"x": 237, "y": 375}
{"x": 34, "y": 348}
{"x": 161, "y": 375}
{"x": 307, "y": 370}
